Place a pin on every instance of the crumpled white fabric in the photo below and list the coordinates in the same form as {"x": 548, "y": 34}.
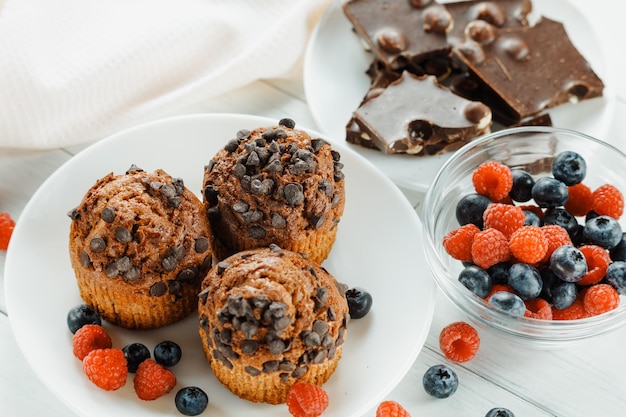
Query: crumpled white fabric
{"x": 74, "y": 71}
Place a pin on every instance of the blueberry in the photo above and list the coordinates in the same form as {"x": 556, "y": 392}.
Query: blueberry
{"x": 563, "y": 295}
{"x": 440, "y": 381}
{"x": 561, "y": 217}
{"x": 550, "y": 280}
{"x": 191, "y": 401}
{"x": 167, "y": 353}
{"x": 477, "y": 280}
{"x": 522, "y": 185}
{"x": 359, "y": 302}
{"x": 618, "y": 253}
{"x": 525, "y": 280}
{"x": 80, "y": 315}
{"x": 531, "y": 219}
{"x": 509, "y": 302}
{"x": 568, "y": 263}
{"x": 569, "y": 167}
{"x": 499, "y": 272}
{"x": 616, "y": 276}
{"x": 499, "y": 412}
{"x": 135, "y": 353}
{"x": 549, "y": 192}
{"x": 603, "y": 231}
{"x": 470, "y": 209}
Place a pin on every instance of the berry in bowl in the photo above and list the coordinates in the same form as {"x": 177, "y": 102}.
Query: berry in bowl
{"x": 524, "y": 234}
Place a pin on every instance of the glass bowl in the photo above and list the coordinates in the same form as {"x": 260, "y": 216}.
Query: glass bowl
{"x": 533, "y": 149}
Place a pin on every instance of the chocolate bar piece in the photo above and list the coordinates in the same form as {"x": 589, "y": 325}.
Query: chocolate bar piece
{"x": 418, "y": 116}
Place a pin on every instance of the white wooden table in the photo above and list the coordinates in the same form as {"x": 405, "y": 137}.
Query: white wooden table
{"x": 585, "y": 380}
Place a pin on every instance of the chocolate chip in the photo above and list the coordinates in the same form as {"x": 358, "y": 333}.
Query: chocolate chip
{"x": 249, "y": 347}
{"x": 326, "y": 187}
{"x": 260, "y": 301}
{"x": 269, "y": 135}
{"x": 327, "y": 341}
{"x": 97, "y": 244}
{"x": 251, "y": 370}
{"x": 317, "y": 221}
{"x": 437, "y": 20}
{"x": 132, "y": 274}
{"x": 253, "y": 160}
{"x": 168, "y": 190}
{"x": 286, "y": 365}
{"x": 179, "y": 185}
{"x": 320, "y": 327}
{"x": 224, "y": 336}
{"x": 335, "y": 200}
{"x": 282, "y": 323}
{"x": 243, "y": 134}
{"x": 300, "y": 371}
{"x": 133, "y": 168}
{"x": 111, "y": 270}
{"x": 169, "y": 263}
{"x": 488, "y": 11}
{"x": 85, "y": 260}
{"x": 178, "y": 252}
{"x": 236, "y": 305}
{"x": 123, "y": 264}
{"x": 257, "y": 232}
{"x": 188, "y": 275}
{"x": 338, "y": 176}
{"x": 312, "y": 271}
{"x": 249, "y": 328}
{"x": 108, "y": 214}
{"x": 294, "y": 193}
{"x": 209, "y": 167}
{"x": 278, "y": 221}
{"x": 288, "y": 123}
{"x": 281, "y": 134}
{"x": 220, "y": 357}
{"x": 210, "y": 194}
{"x": 274, "y": 148}
{"x": 204, "y": 295}
{"x": 221, "y": 267}
{"x": 73, "y": 214}
{"x": 318, "y": 357}
{"x": 201, "y": 245}
{"x": 311, "y": 339}
{"x": 472, "y": 51}
{"x": 158, "y": 289}
{"x": 252, "y": 216}
{"x": 317, "y": 144}
{"x": 174, "y": 287}
{"x": 123, "y": 235}
{"x": 516, "y": 48}
{"x": 330, "y": 314}
{"x": 391, "y": 41}
{"x": 270, "y": 366}
{"x": 276, "y": 347}
{"x": 231, "y": 146}
{"x": 241, "y": 207}
{"x": 321, "y": 296}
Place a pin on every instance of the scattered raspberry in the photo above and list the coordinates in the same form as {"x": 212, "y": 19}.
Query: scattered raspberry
{"x": 493, "y": 180}
{"x": 88, "y": 338}
{"x": 528, "y": 244}
{"x": 498, "y": 287}
{"x": 391, "y": 409}
{"x": 490, "y": 247}
{"x": 504, "y": 217}
{"x": 573, "y": 312}
{"x": 600, "y": 298}
{"x": 598, "y": 260}
{"x": 580, "y": 200}
{"x": 458, "y": 243}
{"x": 459, "y": 341}
{"x": 557, "y": 236}
{"x": 538, "y": 308}
{"x": 153, "y": 380}
{"x": 6, "y": 230}
{"x": 306, "y": 400}
{"x": 106, "y": 368}
{"x": 608, "y": 201}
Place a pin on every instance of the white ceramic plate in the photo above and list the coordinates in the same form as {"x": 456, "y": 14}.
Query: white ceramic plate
{"x": 335, "y": 83}
{"x": 378, "y": 247}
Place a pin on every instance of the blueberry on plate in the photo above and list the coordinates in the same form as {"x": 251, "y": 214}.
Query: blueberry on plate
{"x": 477, "y": 280}
{"x": 509, "y": 302}
{"x": 440, "y": 381}
{"x": 359, "y": 302}
{"x": 80, "y": 315}
{"x": 603, "y": 231}
{"x": 525, "y": 280}
{"x": 549, "y": 192}
{"x": 499, "y": 412}
{"x": 191, "y": 401}
{"x": 569, "y": 167}
{"x": 616, "y": 276}
{"x": 522, "y": 185}
{"x": 568, "y": 263}
{"x": 135, "y": 353}
{"x": 470, "y": 209}
{"x": 167, "y": 353}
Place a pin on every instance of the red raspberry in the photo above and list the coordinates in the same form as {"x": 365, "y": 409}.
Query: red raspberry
{"x": 459, "y": 341}
{"x": 528, "y": 244}
{"x": 153, "y": 380}
{"x": 458, "y": 243}
{"x": 106, "y": 368}
{"x": 573, "y": 312}
{"x": 600, "y": 298}
{"x": 493, "y": 180}
{"x": 490, "y": 247}
{"x": 504, "y": 217}
{"x": 598, "y": 260}
{"x": 580, "y": 200}
{"x": 538, "y": 308}
{"x": 391, "y": 409}
{"x": 557, "y": 236}
{"x": 88, "y": 338}
{"x": 608, "y": 201}
{"x": 6, "y": 230}
{"x": 306, "y": 400}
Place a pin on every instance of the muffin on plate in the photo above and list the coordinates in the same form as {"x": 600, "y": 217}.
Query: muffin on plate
{"x": 140, "y": 246}
{"x": 276, "y": 185}
{"x": 270, "y": 318}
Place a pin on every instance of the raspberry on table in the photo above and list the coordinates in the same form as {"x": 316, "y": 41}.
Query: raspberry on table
{"x": 106, "y": 368}
{"x": 153, "y": 380}
{"x": 459, "y": 341}
{"x": 7, "y": 224}
{"x": 391, "y": 409}
{"x": 458, "y": 243}
{"x": 538, "y": 308}
{"x": 600, "y": 298}
{"x": 580, "y": 200}
{"x": 306, "y": 400}
{"x": 557, "y": 236}
{"x": 528, "y": 244}
{"x": 608, "y": 201}
{"x": 490, "y": 247}
{"x": 493, "y": 180}
{"x": 88, "y": 338}
{"x": 598, "y": 260}
{"x": 504, "y": 217}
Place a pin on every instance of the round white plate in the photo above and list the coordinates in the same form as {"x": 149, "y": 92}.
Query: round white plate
{"x": 335, "y": 83}
{"x": 378, "y": 247}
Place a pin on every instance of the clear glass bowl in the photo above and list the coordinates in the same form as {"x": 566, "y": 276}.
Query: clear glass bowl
{"x": 531, "y": 148}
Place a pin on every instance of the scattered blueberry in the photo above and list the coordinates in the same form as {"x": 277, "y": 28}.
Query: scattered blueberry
{"x": 618, "y": 253}
{"x": 525, "y": 280}
{"x": 563, "y": 295}
{"x": 531, "y": 219}
{"x": 561, "y": 217}
{"x": 167, "y": 353}
{"x": 359, "y": 302}
{"x": 477, "y": 280}
{"x": 509, "y": 302}
{"x": 440, "y": 381}
{"x": 549, "y": 192}
{"x": 80, "y": 315}
{"x": 569, "y": 167}
{"x": 616, "y": 276}
{"x": 499, "y": 272}
{"x": 191, "y": 401}
{"x": 470, "y": 209}
{"x": 522, "y": 185}
{"x": 499, "y": 412}
{"x": 603, "y": 231}
{"x": 568, "y": 263}
{"x": 135, "y": 353}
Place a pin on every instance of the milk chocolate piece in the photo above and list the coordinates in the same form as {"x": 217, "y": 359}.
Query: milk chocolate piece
{"x": 419, "y": 116}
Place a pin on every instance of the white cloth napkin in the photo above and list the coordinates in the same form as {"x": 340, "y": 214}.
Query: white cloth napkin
{"x": 74, "y": 71}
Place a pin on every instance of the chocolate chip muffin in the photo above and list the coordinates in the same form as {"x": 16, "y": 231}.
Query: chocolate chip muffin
{"x": 274, "y": 185}
{"x": 140, "y": 247}
{"x": 270, "y": 318}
